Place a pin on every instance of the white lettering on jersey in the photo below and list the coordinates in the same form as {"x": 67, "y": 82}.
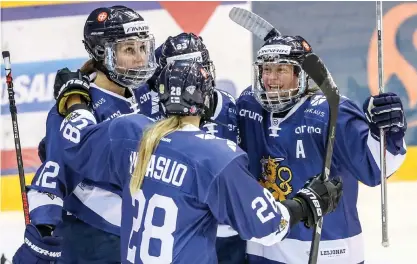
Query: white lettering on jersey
{"x": 251, "y": 115}
{"x": 114, "y": 115}
{"x": 166, "y": 170}
{"x": 300, "y": 149}
{"x": 132, "y": 160}
{"x": 307, "y": 129}
{"x": 263, "y": 207}
{"x": 145, "y": 97}
{"x": 231, "y": 127}
{"x": 98, "y": 103}
{"x": 315, "y": 112}
{"x": 155, "y": 102}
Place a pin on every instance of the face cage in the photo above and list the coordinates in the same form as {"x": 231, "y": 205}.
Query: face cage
{"x": 274, "y": 101}
{"x": 211, "y": 69}
{"x": 130, "y": 77}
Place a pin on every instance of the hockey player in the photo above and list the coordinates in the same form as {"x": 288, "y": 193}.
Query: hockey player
{"x": 283, "y": 123}
{"x": 183, "y": 181}
{"x": 189, "y": 46}
{"x": 122, "y": 52}
{"x": 92, "y": 218}
{"x": 229, "y": 246}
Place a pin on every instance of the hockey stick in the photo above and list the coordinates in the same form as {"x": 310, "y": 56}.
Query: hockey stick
{"x": 316, "y": 69}
{"x": 13, "y": 112}
{"x": 4, "y": 260}
{"x": 382, "y": 142}
{"x": 254, "y": 23}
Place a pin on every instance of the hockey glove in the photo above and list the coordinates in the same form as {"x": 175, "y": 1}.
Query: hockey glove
{"x": 38, "y": 249}
{"x": 386, "y": 111}
{"x": 318, "y": 198}
{"x": 42, "y": 150}
{"x": 70, "y": 83}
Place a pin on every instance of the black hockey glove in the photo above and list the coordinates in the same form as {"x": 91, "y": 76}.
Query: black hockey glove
{"x": 42, "y": 150}
{"x": 70, "y": 83}
{"x": 316, "y": 199}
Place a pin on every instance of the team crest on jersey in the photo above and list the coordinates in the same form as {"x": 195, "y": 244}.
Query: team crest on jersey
{"x": 276, "y": 178}
{"x": 283, "y": 224}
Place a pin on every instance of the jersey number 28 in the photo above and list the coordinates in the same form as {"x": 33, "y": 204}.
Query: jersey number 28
{"x": 163, "y": 233}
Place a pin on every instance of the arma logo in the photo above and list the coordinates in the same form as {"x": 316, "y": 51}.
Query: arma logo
{"x": 307, "y": 129}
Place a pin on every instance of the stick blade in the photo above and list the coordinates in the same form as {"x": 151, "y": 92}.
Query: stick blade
{"x": 315, "y": 68}
{"x": 252, "y": 22}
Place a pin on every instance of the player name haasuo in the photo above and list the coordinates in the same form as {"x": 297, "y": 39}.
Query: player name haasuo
{"x": 162, "y": 168}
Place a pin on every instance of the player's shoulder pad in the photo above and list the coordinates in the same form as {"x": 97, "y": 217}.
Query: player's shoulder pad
{"x": 217, "y": 151}
{"x": 225, "y": 111}
{"x": 226, "y": 97}
{"x": 53, "y": 113}
{"x": 129, "y": 126}
{"x": 317, "y": 107}
{"x": 246, "y": 94}
{"x": 246, "y": 98}
{"x": 247, "y": 103}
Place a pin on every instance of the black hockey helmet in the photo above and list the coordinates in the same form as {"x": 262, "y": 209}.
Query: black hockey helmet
{"x": 279, "y": 54}
{"x": 119, "y": 41}
{"x": 186, "y": 46}
{"x": 186, "y": 88}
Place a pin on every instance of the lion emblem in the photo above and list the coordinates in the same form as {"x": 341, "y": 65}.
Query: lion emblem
{"x": 276, "y": 178}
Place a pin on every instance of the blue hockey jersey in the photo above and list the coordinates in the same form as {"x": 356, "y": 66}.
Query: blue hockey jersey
{"x": 98, "y": 204}
{"x": 285, "y": 151}
{"x": 194, "y": 181}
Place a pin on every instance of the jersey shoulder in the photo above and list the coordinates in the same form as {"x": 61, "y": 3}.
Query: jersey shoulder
{"x": 225, "y": 97}
{"x": 225, "y": 112}
{"x": 213, "y": 152}
{"x": 141, "y": 90}
{"x": 129, "y": 126}
{"x": 246, "y": 95}
{"x": 316, "y": 107}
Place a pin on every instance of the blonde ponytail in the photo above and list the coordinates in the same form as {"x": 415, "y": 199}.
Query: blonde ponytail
{"x": 148, "y": 144}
